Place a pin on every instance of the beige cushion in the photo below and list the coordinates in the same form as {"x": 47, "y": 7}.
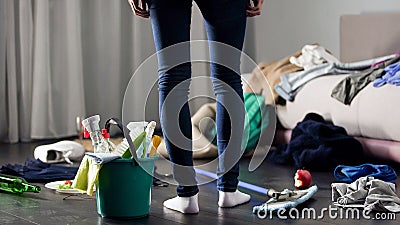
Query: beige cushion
{"x": 374, "y": 112}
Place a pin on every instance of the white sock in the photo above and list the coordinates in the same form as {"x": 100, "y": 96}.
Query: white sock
{"x": 188, "y": 205}
{"x": 231, "y": 199}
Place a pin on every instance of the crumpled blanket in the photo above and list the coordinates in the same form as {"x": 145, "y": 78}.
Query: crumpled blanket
{"x": 367, "y": 192}
{"x": 318, "y": 146}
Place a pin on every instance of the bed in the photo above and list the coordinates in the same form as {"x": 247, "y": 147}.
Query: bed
{"x": 372, "y": 117}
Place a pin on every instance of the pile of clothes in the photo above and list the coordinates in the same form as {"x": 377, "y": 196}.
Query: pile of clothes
{"x": 368, "y": 193}
{"x": 318, "y": 146}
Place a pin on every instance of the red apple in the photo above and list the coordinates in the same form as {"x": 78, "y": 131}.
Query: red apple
{"x": 302, "y": 179}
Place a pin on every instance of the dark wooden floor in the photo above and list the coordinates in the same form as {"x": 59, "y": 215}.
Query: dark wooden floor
{"x": 49, "y": 207}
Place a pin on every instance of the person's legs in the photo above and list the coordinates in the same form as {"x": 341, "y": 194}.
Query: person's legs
{"x": 171, "y": 25}
{"x": 226, "y": 23}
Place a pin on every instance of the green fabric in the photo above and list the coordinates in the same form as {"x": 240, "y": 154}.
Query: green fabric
{"x": 256, "y": 120}
{"x": 87, "y": 176}
{"x": 140, "y": 140}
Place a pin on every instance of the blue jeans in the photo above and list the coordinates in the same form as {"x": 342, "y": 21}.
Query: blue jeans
{"x": 225, "y": 22}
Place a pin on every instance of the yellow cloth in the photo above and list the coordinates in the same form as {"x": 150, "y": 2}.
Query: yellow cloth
{"x": 87, "y": 176}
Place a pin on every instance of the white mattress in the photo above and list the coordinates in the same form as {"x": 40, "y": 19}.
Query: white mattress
{"x": 374, "y": 112}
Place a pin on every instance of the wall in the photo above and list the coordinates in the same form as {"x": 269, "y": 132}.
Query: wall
{"x": 286, "y": 25}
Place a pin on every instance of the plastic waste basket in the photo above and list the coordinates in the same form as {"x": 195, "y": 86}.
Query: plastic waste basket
{"x": 124, "y": 188}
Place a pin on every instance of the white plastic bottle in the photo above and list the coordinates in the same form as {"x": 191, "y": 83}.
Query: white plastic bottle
{"x": 136, "y": 128}
{"x": 99, "y": 143}
{"x": 149, "y": 134}
{"x": 107, "y": 136}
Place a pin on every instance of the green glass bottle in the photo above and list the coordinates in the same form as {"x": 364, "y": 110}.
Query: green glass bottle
{"x": 16, "y": 185}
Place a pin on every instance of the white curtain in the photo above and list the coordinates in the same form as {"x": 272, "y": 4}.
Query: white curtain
{"x": 115, "y": 43}
{"x": 60, "y": 59}
{"x": 16, "y": 69}
{"x": 57, "y": 87}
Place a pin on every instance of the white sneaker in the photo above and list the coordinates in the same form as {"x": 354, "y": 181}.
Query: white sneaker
{"x": 62, "y": 151}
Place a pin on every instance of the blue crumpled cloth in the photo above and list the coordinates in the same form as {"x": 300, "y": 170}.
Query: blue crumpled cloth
{"x": 392, "y": 76}
{"x": 350, "y": 174}
{"x": 102, "y": 158}
{"x": 35, "y": 170}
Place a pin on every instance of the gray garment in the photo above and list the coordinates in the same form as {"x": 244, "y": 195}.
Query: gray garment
{"x": 372, "y": 194}
{"x": 349, "y": 87}
{"x": 290, "y": 83}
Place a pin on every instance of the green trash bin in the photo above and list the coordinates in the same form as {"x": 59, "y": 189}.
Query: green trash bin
{"x": 124, "y": 188}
